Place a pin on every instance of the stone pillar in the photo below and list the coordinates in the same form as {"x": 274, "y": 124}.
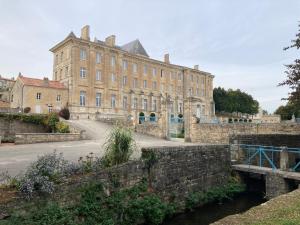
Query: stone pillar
{"x": 284, "y": 159}
{"x": 275, "y": 185}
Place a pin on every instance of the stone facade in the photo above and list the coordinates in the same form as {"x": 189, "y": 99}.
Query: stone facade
{"x": 5, "y": 89}
{"x": 41, "y": 95}
{"x": 122, "y": 80}
{"x": 220, "y": 133}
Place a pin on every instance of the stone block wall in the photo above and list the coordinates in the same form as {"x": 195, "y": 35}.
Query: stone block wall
{"x": 8, "y": 128}
{"x": 221, "y": 133}
{"x": 149, "y": 128}
{"x": 30, "y": 138}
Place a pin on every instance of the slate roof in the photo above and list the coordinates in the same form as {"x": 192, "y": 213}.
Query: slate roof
{"x": 135, "y": 47}
{"x": 41, "y": 83}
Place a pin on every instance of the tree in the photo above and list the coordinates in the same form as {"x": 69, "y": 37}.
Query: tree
{"x": 286, "y": 112}
{"x": 293, "y": 74}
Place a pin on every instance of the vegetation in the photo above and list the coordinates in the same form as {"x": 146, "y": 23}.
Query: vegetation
{"x": 27, "y": 118}
{"x": 51, "y": 121}
{"x": 293, "y": 74}
{"x": 61, "y": 127}
{"x": 215, "y": 194}
{"x": 231, "y": 101}
{"x": 286, "y": 112}
{"x": 119, "y": 146}
{"x": 64, "y": 113}
{"x": 27, "y": 109}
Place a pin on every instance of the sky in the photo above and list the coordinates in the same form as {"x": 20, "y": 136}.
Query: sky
{"x": 239, "y": 41}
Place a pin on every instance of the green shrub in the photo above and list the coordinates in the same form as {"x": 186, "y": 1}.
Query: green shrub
{"x": 119, "y": 146}
{"x": 26, "y": 118}
{"x": 64, "y": 113}
{"x": 61, "y": 127}
{"x": 52, "y": 120}
{"x": 8, "y": 139}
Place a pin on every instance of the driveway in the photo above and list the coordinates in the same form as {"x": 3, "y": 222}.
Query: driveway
{"x": 15, "y": 158}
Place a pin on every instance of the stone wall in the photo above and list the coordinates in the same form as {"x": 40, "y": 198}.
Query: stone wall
{"x": 150, "y": 128}
{"x": 30, "y": 138}
{"x": 289, "y": 140}
{"x": 9, "y": 128}
{"x": 221, "y": 133}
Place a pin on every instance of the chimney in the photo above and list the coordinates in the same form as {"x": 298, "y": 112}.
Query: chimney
{"x": 20, "y": 74}
{"x": 85, "y": 33}
{"x": 196, "y": 67}
{"x": 167, "y": 58}
{"x": 110, "y": 40}
{"x": 46, "y": 81}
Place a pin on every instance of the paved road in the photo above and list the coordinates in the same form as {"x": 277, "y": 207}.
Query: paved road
{"x": 15, "y": 158}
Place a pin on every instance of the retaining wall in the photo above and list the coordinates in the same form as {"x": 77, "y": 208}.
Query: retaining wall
{"x": 30, "y": 138}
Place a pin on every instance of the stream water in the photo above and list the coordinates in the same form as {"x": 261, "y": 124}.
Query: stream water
{"x": 215, "y": 211}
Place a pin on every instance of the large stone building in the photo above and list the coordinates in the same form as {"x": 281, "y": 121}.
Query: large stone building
{"x": 104, "y": 79}
{"x": 5, "y": 88}
{"x": 40, "y": 95}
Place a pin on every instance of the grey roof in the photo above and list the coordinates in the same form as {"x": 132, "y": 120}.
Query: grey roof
{"x": 135, "y": 47}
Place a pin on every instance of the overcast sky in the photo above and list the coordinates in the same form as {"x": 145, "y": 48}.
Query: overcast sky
{"x": 238, "y": 41}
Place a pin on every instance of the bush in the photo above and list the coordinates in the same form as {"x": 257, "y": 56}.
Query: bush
{"x": 26, "y": 118}
{"x": 42, "y": 174}
{"x": 27, "y": 109}
{"x": 52, "y": 120}
{"x": 119, "y": 146}
{"x": 8, "y": 139}
{"x": 61, "y": 127}
{"x": 64, "y": 113}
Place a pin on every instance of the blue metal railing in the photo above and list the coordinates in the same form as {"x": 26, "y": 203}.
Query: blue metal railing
{"x": 268, "y": 153}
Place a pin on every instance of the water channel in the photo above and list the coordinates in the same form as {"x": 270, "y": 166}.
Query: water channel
{"x": 215, "y": 211}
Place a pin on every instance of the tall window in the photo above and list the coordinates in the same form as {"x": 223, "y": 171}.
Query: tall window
{"x": 135, "y": 83}
{"x": 113, "y": 61}
{"x": 154, "y": 105}
{"x": 61, "y": 56}
{"x": 82, "y": 98}
{"x": 82, "y": 72}
{"x": 56, "y": 59}
{"x": 98, "y": 99}
{"x": 66, "y": 71}
{"x": 135, "y": 103}
{"x": 58, "y": 97}
{"x": 145, "y": 84}
{"x": 113, "y": 77}
{"x": 180, "y": 107}
{"x": 98, "y": 75}
{"x": 125, "y": 65}
{"x": 134, "y": 67}
{"x": 98, "y": 57}
{"x": 191, "y": 77}
{"x": 145, "y": 104}
{"x": 179, "y": 76}
{"x": 124, "y": 102}
{"x": 145, "y": 69}
{"x": 153, "y": 71}
{"x": 124, "y": 81}
{"x": 38, "y": 96}
{"x": 113, "y": 101}
{"x": 82, "y": 54}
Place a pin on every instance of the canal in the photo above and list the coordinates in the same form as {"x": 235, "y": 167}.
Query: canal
{"x": 215, "y": 211}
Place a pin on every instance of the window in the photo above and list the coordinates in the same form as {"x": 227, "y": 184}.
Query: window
{"x": 12, "y": 98}
{"x": 38, "y": 96}
{"x": 124, "y": 81}
{"x": 113, "y": 77}
{"x": 56, "y": 59}
{"x": 197, "y": 79}
{"x": 124, "y": 102}
{"x": 134, "y": 67}
{"x": 203, "y": 92}
{"x": 145, "y": 69}
{"x": 145, "y": 104}
{"x": 113, "y": 101}
{"x": 98, "y": 75}
{"x": 98, "y": 57}
{"x": 58, "y": 97}
{"x": 145, "y": 84}
{"x": 154, "y": 105}
{"x": 153, "y": 71}
{"x": 154, "y": 86}
{"x": 135, "y": 103}
{"x": 125, "y": 65}
{"x": 82, "y": 72}
{"x": 113, "y": 61}
{"x": 82, "y": 54}
{"x": 162, "y": 73}
{"x": 98, "y": 99}
{"x": 191, "y": 77}
{"x": 180, "y": 107}
{"x": 135, "y": 83}
{"x": 61, "y": 56}
{"x": 197, "y": 92}
{"x": 82, "y": 98}
{"x": 55, "y": 76}
{"x": 60, "y": 74}
{"x": 66, "y": 71}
